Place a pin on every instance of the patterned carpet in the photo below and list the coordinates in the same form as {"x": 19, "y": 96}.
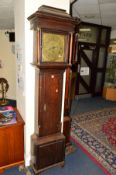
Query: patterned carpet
{"x": 96, "y": 133}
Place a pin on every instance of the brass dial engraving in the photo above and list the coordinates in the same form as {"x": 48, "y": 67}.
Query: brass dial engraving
{"x": 53, "y": 47}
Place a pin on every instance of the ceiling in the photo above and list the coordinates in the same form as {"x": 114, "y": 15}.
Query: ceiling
{"x": 95, "y": 11}
{"x": 6, "y": 14}
{"x": 101, "y": 12}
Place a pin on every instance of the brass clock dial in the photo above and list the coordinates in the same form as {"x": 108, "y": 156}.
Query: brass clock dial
{"x": 53, "y": 47}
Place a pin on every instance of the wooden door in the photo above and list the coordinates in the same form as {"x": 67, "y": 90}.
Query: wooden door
{"x": 50, "y": 102}
{"x": 85, "y": 69}
{"x": 91, "y": 69}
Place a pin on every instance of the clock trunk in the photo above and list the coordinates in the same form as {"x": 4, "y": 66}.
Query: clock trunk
{"x": 50, "y": 100}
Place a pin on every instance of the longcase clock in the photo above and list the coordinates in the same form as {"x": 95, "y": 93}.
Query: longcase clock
{"x": 54, "y": 32}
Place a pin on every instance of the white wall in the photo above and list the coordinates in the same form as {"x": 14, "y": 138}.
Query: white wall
{"x": 8, "y": 63}
{"x": 24, "y": 41}
{"x": 20, "y": 55}
{"x": 113, "y": 34}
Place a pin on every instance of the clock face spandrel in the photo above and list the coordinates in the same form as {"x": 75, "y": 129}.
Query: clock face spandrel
{"x": 53, "y": 47}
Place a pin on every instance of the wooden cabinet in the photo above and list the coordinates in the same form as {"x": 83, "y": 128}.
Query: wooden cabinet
{"x": 12, "y": 144}
{"x": 109, "y": 93}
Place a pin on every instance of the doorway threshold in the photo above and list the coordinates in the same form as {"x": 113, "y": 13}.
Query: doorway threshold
{"x": 77, "y": 97}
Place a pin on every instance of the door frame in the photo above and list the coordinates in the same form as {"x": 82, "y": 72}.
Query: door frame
{"x": 91, "y": 47}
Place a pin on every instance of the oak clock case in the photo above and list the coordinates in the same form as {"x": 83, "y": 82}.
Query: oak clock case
{"x": 53, "y": 37}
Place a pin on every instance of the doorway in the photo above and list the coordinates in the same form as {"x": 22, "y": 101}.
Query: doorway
{"x": 85, "y": 69}
{"x": 90, "y": 76}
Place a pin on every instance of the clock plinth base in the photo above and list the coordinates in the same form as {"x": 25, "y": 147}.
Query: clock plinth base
{"x": 61, "y": 164}
{"x": 47, "y": 152}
